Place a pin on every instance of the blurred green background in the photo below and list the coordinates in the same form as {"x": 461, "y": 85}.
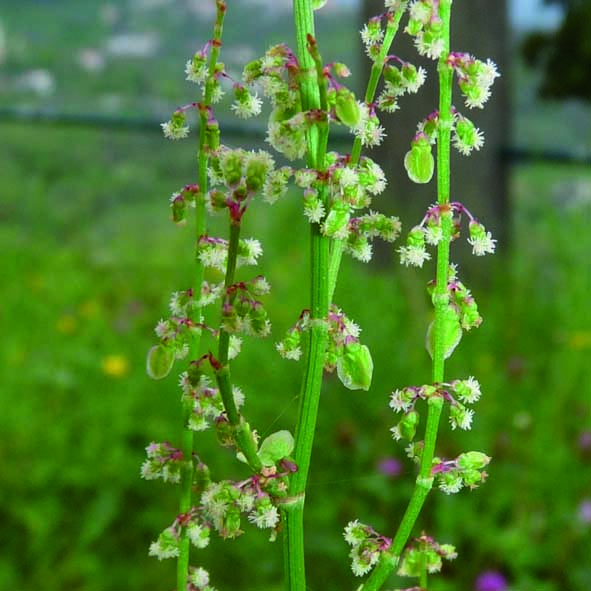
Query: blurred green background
{"x": 88, "y": 261}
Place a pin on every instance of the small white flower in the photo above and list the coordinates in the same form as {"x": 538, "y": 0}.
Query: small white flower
{"x": 197, "y": 74}
{"x": 248, "y": 108}
{"x": 173, "y": 132}
{"x": 433, "y": 234}
{"x": 418, "y": 81}
{"x": 199, "y": 577}
{"x": 396, "y": 433}
{"x": 451, "y": 485}
{"x": 265, "y": 517}
{"x": 483, "y": 245}
{"x": 413, "y": 256}
{"x": 234, "y": 346}
{"x": 238, "y": 395}
{"x": 395, "y": 5}
{"x": 487, "y": 74}
{"x": 362, "y": 252}
{"x": 420, "y": 11}
{"x": 348, "y": 177}
{"x": 468, "y": 390}
{"x": 198, "y": 534}
{"x": 314, "y": 210}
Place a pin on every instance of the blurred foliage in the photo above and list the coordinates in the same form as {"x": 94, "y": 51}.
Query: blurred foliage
{"x": 564, "y": 55}
{"x": 89, "y": 259}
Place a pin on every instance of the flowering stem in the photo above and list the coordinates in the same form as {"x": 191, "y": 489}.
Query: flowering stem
{"x": 313, "y": 97}
{"x": 242, "y": 433}
{"x": 200, "y": 225}
{"x": 389, "y": 559}
{"x": 336, "y": 251}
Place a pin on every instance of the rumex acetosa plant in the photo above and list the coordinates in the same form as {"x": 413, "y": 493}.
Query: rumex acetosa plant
{"x": 223, "y": 305}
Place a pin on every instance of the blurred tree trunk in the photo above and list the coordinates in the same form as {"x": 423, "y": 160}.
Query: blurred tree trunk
{"x": 480, "y": 181}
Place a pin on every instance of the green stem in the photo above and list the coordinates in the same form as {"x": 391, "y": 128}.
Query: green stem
{"x": 336, "y": 252}
{"x": 187, "y": 442}
{"x": 389, "y": 560}
{"x": 313, "y": 97}
{"x": 242, "y": 433}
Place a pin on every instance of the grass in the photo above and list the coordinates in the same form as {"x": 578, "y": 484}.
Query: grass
{"x": 89, "y": 258}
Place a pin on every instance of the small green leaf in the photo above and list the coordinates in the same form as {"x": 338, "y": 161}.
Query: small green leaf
{"x": 276, "y": 447}
{"x": 160, "y": 361}
{"x": 419, "y": 162}
{"x": 318, "y": 4}
{"x": 452, "y": 332}
{"x": 355, "y": 366}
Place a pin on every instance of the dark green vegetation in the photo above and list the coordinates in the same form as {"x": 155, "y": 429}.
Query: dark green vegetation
{"x": 88, "y": 259}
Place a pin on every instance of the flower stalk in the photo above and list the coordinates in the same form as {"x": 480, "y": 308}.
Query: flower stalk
{"x": 187, "y": 436}
{"x": 390, "y": 559}
{"x": 313, "y": 97}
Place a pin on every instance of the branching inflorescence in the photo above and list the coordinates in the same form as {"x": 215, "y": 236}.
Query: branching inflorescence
{"x": 209, "y": 320}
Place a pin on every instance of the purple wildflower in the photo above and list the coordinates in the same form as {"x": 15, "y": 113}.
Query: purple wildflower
{"x": 390, "y": 467}
{"x": 491, "y": 580}
{"x": 585, "y": 511}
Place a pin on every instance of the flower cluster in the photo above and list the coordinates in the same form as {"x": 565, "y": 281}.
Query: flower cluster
{"x": 242, "y": 312}
{"x": 407, "y": 79}
{"x": 344, "y": 352}
{"x": 465, "y": 471}
{"x": 223, "y": 504}
{"x": 350, "y": 188}
{"x": 277, "y": 72}
{"x": 163, "y": 461}
{"x": 199, "y": 580}
{"x": 197, "y": 70}
{"x": 424, "y": 554}
{"x": 243, "y": 174}
{"x": 474, "y": 77}
{"x": 213, "y": 252}
{"x": 426, "y": 26}
{"x": 245, "y": 103}
{"x": 176, "y": 128}
{"x": 429, "y": 232}
{"x": 193, "y": 524}
{"x": 180, "y": 200}
{"x": 366, "y": 546}
{"x": 203, "y": 400}
{"x": 457, "y": 393}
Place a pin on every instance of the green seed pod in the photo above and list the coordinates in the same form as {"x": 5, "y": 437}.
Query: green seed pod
{"x": 355, "y": 366}
{"x": 346, "y": 107}
{"x": 408, "y": 425}
{"x": 419, "y": 161}
{"x": 212, "y": 136}
{"x": 232, "y": 167}
{"x": 337, "y": 221}
{"x": 256, "y": 173}
{"x": 160, "y": 361}
{"x": 392, "y": 75}
{"x": 473, "y": 460}
{"x": 452, "y": 332}
{"x": 275, "y": 447}
{"x": 179, "y": 209}
{"x": 472, "y": 478}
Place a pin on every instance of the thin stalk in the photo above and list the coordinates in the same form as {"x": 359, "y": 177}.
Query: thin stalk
{"x": 389, "y": 559}
{"x": 242, "y": 433}
{"x": 336, "y": 251}
{"x": 186, "y": 484}
{"x": 313, "y": 97}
